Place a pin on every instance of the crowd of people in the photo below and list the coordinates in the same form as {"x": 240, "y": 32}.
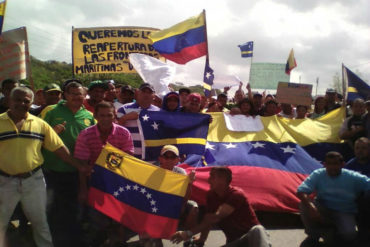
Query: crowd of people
{"x": 50, "y": 141}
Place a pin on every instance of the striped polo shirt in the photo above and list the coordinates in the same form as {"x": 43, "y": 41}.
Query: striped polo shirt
{"x": 133, "y": 125}
{"x": 21, "y": 150}
{"x": 89, "y": 145}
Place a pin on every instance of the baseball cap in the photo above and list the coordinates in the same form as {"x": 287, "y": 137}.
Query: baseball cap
{"x": 195, "y": 97}
{"x": 146, "y": 85}
{"x": 331, "y": 90}
{"x": 52, "y": 87}
{"x": 99, "y": 84}
{"x": 172, "y": 95}
{"x": 170, "y": 148}
{"x": 127, "y": 88}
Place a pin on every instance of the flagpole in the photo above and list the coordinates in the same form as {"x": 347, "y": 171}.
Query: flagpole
{"x": 205, "y": 30}
{"x": 250, "y": 67}
{"x": 317, "y": 84}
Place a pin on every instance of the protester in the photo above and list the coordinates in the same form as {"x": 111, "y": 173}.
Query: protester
{"x": 96, "y": 92}
{"x": 171, "y": 102}
{"x": 301, "y": 111}
{"x": 68, "y": 118}
{"x": 287, "y": 111}
{"x": 270, "y": 109}
{"x": 6, "y": 86}
{"x": 319, "y": 108}
{"x": 20, "y": 174}
{"x": 183, "y": 94}
{"x": 227, "y": 207}
{"x": 129, "y": 113}
{"x": 361, "y": 162}
{"x": 39, "y": 99}
{"x": 367, "y": 119}
{"x": 245, "y": 107}
{"x": 157, "y": 101}
{"x": 331, "y": 99}
{"x": 87, "y": 149}
{"x": 222, "y": 101}
{"x": 353, "y": 127}
{"x": 192, "y": 103}
{"x": 169, "y": 158}
{"x": 110, "y": 94}
{"x": 214, "y": 107}
{"x": 52, "y": 95}
{"x": 127, "y": 95}
{"x": 335, "y": 206}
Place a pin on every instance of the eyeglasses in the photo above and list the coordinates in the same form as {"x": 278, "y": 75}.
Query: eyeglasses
{"x": 169, "y": 157}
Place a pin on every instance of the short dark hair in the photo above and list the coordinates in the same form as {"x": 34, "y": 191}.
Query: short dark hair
{"x": 72, "y": 84}
{"x": 334, "y": 155}
{"x": 223, "y": 171}
{"x": 245, "y": 100}
{"x": 304, "y": 106}
{"x": 271, "y": 101}
{"x": 184, "y": 90}
{"x": 222, "y": 95}
{"x": 8, "y": 81}
{"x": 104, "y": 104}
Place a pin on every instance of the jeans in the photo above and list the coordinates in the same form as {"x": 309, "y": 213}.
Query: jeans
{"x": 63, "y": 208}
{"x": 336, "y": 227}
{"x": 31, "y": 192}
{"x": 257, "y": 236}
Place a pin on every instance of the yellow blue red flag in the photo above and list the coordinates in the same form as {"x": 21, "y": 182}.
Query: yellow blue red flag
{"x": 182, "y": 42}
{"x": 141, "y": 196}
{"x": 269, "y": 164}
{"x": 2, "y": 13}
{"x": 291, "y": 63}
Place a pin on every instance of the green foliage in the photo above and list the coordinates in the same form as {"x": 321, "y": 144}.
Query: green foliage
{"x": 47, "y": 72}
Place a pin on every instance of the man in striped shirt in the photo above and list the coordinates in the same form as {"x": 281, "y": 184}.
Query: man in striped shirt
{"x": 128, "y": 115}
{"x": 22, "y": 136}
{"x": 88, "y": 146}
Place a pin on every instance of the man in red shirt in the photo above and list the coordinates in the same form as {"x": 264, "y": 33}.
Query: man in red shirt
{"x": 227, "y": 207}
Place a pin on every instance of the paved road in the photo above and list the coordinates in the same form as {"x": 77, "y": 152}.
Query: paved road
{"x": 279, "y": 238}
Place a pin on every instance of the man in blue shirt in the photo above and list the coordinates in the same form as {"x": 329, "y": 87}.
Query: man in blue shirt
{"x": 335, "y": 205}
{"x": 361, "y": 162}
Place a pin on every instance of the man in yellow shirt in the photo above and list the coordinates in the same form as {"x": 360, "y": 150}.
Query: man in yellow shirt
{"x": 21, "y": 138}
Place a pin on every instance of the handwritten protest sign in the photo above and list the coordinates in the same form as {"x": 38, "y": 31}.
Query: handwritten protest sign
{"x": 14, "y": 54}
{"x": 294, "y": 93}
{"x": 107, "y": 49}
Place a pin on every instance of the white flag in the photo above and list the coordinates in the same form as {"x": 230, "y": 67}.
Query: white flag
{"x": 243, "y": 123}
{"x": 153, "y": 71}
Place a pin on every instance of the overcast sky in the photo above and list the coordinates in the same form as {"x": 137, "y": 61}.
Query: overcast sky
{"x": 323, "y": 33}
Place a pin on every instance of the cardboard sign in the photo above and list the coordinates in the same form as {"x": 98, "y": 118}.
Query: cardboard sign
{"x": 14, "y": 55}
{"x": 106, "y": 49}
{"x": 294, "y": 93}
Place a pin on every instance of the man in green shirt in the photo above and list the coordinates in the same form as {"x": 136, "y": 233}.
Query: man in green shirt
{"x": 68, "y": 118}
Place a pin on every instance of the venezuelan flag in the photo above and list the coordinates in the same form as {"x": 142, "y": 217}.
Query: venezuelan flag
{"x": 356, "y": 87}
{"x": 143, "y": 197}
{"x": 291, "y": 63}
{"x": 183, "y": 42}
{"x": 270, "y": 164}
{"x": 2, "y": 13}
{"x": 188, "y": 131}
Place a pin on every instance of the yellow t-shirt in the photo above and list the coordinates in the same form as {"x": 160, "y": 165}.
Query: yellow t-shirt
{"x": 20, "y": 151}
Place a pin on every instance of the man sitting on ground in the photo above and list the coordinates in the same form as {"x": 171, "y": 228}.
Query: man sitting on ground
{"x": 335, "y": 205}
{"x": 227, "y": 207}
